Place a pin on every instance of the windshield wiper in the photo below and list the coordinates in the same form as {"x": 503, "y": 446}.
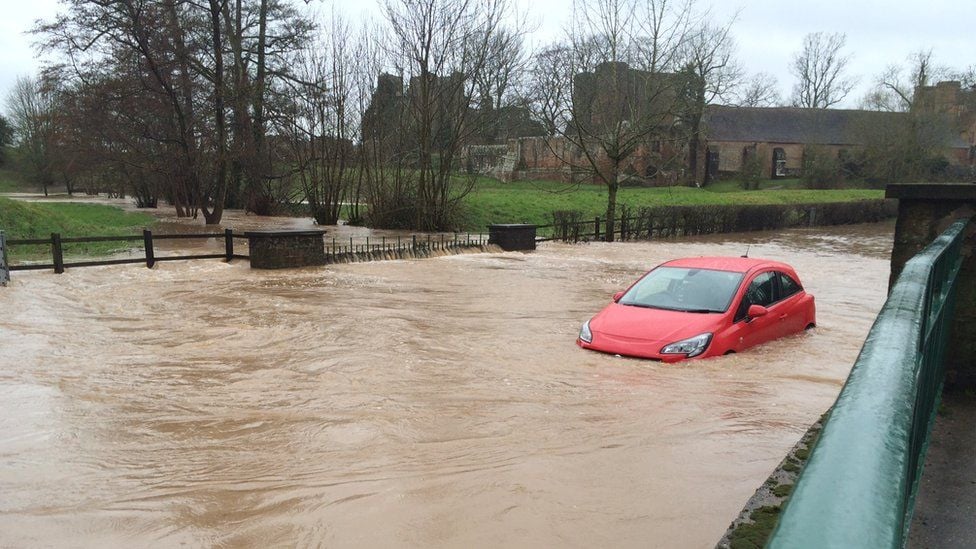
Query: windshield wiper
{"x": 698, "y": 310}
{"x": 646, "y": 306}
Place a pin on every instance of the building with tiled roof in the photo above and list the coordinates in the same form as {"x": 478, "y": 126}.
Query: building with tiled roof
{"x": 779, "y": 136}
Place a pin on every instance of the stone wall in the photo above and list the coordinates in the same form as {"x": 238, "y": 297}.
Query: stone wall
{"x": 924, "y": 212}
{"x": 559, "y": 159}
{"x": 512, "y": 237}
{"x": 285, "y": 249}
{"x": 731, "y": 155}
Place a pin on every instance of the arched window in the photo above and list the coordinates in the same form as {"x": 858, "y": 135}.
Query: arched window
{"x": 779, "y": 162}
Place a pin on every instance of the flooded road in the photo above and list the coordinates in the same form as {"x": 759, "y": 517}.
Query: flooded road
{"x": 427, "y": 403}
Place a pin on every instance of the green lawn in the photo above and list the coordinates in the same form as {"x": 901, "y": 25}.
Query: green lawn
{"x": 732, "y": 185}
{"x": 493, "y": 201}
{"x": 28, "y": 220}
{"x": 12, "y": 181}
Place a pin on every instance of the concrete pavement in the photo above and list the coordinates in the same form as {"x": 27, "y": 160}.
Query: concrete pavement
{"x": 945, "y": 507}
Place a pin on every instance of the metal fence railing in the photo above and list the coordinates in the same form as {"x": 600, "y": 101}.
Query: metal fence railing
{"x": 858, "y": 486}
{"x": 646, "y": 223}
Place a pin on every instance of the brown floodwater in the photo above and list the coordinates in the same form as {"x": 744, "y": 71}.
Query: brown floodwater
{"x": 426, "y": 403}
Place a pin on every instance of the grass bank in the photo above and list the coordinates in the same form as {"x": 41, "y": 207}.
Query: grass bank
{"x": 492, "y": 201}
{"x": 12, "y": 181}
{"x": 22, "y": 220}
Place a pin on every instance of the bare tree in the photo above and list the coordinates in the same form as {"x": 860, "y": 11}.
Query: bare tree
{"x": 762, "y": 90}
{"x": 505, "y": 59}
{"x": 547, "y": 92}
{"x": 162, "y": 45}
{"x": 321, "y": 120}
{"x": 31, "y": 108}
{"x": 967, "y": 77}
{"x": 442, "y": 48}
{"x": 894, "y": 89}
{"x": 629, "y": 100}
{"x": 711, "y": 73}
{"x": 187, "y": 82}
{"x": 6, "y": 138}
{"x": 819, "y": 68}
{"x": 262, "y": 35}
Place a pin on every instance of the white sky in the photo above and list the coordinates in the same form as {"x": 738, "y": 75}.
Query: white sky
{"x": 768, "y": 32}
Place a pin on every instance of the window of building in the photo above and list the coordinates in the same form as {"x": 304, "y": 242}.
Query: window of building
{"x": 779, "y": 162}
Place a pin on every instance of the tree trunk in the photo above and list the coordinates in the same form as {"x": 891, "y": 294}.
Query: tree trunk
{"x": 212, "y": 217}
{"x": 612, "y": 187}
{"x": 693, "y": 147}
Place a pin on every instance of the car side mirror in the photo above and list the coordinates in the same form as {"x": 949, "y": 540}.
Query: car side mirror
{"x": 756, "y": 311}
{"x": 617, "y": 296}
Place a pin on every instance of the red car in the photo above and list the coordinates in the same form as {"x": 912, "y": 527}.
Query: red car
{"x": 701, "y": 307}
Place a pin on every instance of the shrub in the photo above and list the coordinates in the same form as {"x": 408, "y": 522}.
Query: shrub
{"x": 821, "y": 170}
{"x": 751, "y": 172}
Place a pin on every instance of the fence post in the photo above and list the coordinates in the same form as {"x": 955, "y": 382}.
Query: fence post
{"x": 4, "y": 267}
{"x": 596, "y": 228}
{"x": 229, "y": 244}
{"x": 57, "y": 253}
{"x": 147, "y": 241}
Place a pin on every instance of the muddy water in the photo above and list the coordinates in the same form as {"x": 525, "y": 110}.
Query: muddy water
{"x": 431, "y": 403}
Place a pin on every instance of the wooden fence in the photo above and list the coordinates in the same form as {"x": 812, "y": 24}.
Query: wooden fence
{"x": 336, "y": 251}
{"x": 57, "y": 242}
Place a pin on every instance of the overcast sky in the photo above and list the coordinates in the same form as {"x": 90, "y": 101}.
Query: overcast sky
{"x": 767, "y": 32}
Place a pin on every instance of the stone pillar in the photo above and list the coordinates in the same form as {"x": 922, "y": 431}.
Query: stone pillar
{"x": 924, "y": 212}
{"x": 285, "y": 249}
{"x": 512, "y": 237}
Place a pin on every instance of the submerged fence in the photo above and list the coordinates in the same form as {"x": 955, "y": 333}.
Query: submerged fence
{"x": 858, "y": 487}
{"x": 336, "y": 251}
{"x": 147, "y": 238}
{"x": 670, "y": 221}
{"x": 403, "y": 247}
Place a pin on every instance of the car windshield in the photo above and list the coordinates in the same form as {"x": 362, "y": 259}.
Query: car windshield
{"x": 683, "y": 289}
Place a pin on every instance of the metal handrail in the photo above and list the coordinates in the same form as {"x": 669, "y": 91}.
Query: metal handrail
{"x": 858, "y": 486}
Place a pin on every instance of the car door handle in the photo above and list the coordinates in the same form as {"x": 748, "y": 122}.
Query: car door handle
{"x": 782, "y": 317}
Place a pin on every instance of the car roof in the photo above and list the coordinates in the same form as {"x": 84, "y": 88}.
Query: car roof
{"x": 734, "y": 264}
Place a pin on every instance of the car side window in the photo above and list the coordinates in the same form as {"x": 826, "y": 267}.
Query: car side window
{"x": 761, "y": 291}
{"x": 787, "y": 286}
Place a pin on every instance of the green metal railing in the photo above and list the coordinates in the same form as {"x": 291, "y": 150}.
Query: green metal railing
{"x": 858, "y": 486}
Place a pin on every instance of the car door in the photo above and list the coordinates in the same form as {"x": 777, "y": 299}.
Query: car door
{"x": 753, "y": 331}
{"x": 788, "y": 311}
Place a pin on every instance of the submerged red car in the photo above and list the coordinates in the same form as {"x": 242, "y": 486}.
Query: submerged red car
{"x": 701, "y": 307}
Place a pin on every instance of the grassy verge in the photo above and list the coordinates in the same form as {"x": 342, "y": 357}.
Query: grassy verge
{"x": 533, "y": 201}
{"x": 12, "y": 181}
{"x": 22, "y": 220}
{"x": 733, "y": 185}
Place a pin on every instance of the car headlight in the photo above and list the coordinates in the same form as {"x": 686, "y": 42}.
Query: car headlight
{"x": 585, "y": 335}
{"x": 693, "y": 346}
